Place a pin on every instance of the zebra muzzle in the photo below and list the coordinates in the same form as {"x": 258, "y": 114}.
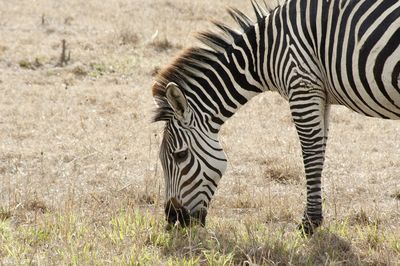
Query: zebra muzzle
{"x": 200, "y": 216}
{"x": 174, "y": 211}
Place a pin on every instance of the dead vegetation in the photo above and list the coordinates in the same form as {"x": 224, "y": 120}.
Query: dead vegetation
{"x": 361, "y": 217}
{"x": 80, "y": 181}
{"x": 163, "y": 45}
{"x": 396, "y": 195}
{"x": 282, "y": 172}
{"x": 4, "y": 214}
{"x": 65, "y": 56}
{"x": 128, "y": 37}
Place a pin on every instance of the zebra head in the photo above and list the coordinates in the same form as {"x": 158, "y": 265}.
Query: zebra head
{"x": 191, "y": 157}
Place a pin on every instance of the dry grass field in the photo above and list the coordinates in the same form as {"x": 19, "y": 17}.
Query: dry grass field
{"x": 80, "y": 182}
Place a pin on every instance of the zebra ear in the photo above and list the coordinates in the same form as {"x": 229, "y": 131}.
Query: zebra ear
{"x": 176, "y": 100}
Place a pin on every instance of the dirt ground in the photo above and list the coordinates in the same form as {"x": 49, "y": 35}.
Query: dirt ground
{"x": 76, "y": 137}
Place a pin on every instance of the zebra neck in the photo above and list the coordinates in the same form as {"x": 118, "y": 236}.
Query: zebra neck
{"x": 241, "y": 71}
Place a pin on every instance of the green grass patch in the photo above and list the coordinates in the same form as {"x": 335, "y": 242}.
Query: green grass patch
{"x": 37, "y": 62}
{"x": 139, "y": 238}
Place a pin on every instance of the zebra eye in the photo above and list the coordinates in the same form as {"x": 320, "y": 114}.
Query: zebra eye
{"x": 180, "y": 155}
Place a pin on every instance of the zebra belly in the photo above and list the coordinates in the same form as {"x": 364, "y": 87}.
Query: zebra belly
{"x": 371, "y": 94}
{"x": 366, "y": 77}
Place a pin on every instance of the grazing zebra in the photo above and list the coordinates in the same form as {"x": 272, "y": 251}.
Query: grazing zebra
{"x": 315, "y": 53}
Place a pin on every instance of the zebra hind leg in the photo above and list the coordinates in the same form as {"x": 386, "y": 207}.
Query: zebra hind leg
{"x": 308, "y": 225}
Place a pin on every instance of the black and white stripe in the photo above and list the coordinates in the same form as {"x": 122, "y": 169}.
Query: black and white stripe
{"x": 314, "y": 53}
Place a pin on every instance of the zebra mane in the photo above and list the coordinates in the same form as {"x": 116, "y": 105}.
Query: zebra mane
{"x": 192, "y": 59}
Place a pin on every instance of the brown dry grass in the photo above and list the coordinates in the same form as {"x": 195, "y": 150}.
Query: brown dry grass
{"x": 79, "y": 176}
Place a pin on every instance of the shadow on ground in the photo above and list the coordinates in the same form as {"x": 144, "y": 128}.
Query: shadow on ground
{"x": 253, "y": 244}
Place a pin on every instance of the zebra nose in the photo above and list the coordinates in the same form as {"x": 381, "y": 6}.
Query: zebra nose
{"x": 200, "y": 215}
{"x": 174, "y": 211}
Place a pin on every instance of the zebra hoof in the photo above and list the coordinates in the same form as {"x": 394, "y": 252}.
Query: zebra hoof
{"x": 308, "y": 227}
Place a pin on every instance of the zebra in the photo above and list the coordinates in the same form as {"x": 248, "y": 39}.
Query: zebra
{"x": 313, "y": 53}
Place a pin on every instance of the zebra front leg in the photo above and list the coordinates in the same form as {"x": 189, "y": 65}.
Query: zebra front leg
{"x": 311, "y": 119}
